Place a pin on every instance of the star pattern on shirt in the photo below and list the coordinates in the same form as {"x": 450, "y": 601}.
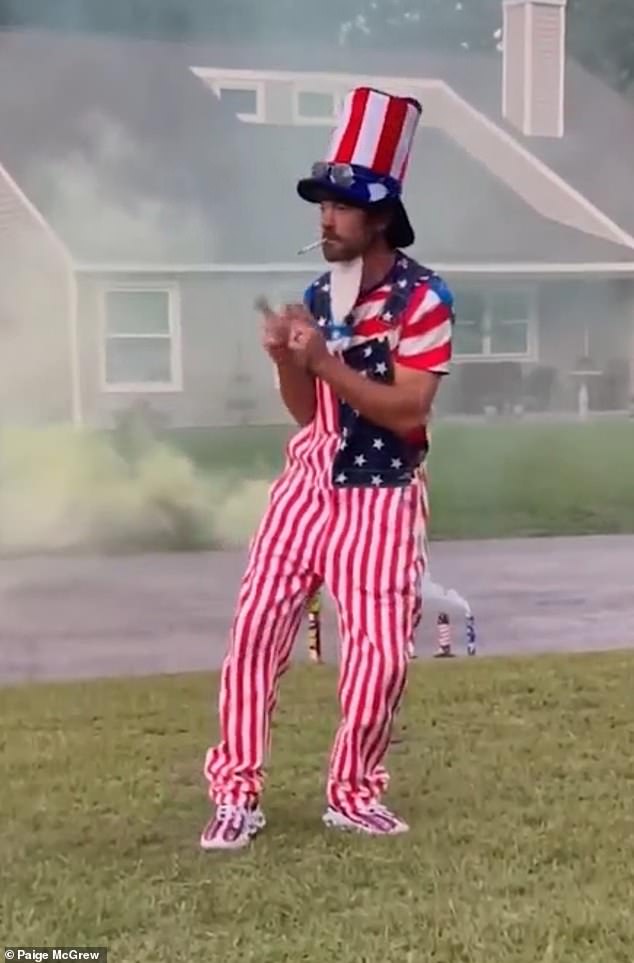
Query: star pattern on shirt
{"x": 367, "y": 454}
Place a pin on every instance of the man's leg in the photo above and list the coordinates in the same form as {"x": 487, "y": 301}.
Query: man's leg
{"x": 279, "y": 577}
{"x": 373, "y": 571}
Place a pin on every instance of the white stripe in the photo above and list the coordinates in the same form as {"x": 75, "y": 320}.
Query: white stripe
{"x": 371, "y": 129}
{"x": 410, "y": 346}
{"x": 405, "y": 142}
{"x": 429, "y": 302}
{"x": 370, "y": 310}
{"x": 339, "y": 131}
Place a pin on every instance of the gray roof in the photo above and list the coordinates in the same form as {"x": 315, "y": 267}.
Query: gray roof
{"x": 594, "y": 156}
{"x": 132, "y": 159}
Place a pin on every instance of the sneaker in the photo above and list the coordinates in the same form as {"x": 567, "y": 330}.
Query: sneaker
{"x": 375, "y": 820}
{"x": 232, "y": 827}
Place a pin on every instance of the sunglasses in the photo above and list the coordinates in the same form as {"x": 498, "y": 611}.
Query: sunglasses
{"x": 342, "y": 175}
{"x": 345, "y": 175}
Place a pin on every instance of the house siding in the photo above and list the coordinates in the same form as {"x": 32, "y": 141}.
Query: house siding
{"x": 220, "y": 339}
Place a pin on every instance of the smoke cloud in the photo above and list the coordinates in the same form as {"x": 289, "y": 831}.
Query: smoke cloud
{"x": 67, "y": 491}
{"x": 92, "y": 202}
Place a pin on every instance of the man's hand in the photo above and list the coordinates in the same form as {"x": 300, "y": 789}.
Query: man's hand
{"x": 296, "y": 384}
{"x": 275, "y": 332}
{"x": 306, "y": 343}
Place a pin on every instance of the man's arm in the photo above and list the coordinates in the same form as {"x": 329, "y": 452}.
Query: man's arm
{"x": 402, "y": 406}
{"x": 297, "y": 388}
{"x": 422, "y": 358}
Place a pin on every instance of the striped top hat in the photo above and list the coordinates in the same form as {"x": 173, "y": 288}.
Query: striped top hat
{"x": 368, "y": 156}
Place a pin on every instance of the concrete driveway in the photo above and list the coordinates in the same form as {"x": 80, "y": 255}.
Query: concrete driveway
{"x": 88, "y": 617}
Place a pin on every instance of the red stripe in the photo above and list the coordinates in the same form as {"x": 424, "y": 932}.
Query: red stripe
{"x": 400, "y": 571}
{"x": 265, "y": 624}
{"x": 427, "y": 359}
{"x": 350, "y": 136}
{"x": 415, "y": 303}
{"x": 390, "y": 136}
{"x": 380, "y": 560}
{"x": 417, "y": 437}
{"x": 369, "y": 327}
{"x": 430, "y": 320}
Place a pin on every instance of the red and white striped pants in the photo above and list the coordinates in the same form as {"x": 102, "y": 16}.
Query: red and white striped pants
{"x": 364, "y": 545}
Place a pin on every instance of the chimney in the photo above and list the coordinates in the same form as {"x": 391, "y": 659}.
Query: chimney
{"x": 533, "y": 66}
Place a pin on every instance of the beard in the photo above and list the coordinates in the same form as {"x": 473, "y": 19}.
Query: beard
{"x": 335, "y": 250}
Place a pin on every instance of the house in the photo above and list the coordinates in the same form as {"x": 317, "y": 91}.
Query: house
{"x": 147, "y": 196}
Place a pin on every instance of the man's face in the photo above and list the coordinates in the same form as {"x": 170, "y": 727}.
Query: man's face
{"x": 348, "y": 232}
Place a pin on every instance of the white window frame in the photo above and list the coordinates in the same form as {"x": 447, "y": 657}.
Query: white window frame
{"x": 487, "y": 355}
{"x": 301, "y": 120}
{"x": 175, "y": 384}
{"x": 254, "y": 86}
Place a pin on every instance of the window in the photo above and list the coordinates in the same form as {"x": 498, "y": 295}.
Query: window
{"x": 141, "y": 345}
{"x": 509, "y": 323}
{"x": 244, "y": 98}
{"x": 319, "y": 107}
{"x": 469, "y": 329}
{"x": 493, "y": 324}
{"x": 240, "y": 100}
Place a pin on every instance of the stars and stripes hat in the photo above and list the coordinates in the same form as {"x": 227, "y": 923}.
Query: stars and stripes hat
{"x": 368, "y": 156}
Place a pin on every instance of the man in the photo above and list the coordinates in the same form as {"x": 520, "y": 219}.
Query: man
{"x": 359, "y": 364}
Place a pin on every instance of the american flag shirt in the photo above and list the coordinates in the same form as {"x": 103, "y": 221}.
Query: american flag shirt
{"x": 406, "y": 320}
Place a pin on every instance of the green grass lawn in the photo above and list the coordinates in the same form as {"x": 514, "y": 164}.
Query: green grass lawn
{"x": 517, "y": 777}
{"x": 487, "y": 480}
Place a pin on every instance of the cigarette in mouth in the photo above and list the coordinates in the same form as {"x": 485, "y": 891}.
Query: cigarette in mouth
{"x": 311, "y": 247}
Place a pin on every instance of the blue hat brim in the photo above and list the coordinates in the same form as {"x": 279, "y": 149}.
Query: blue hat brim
{"x": 315, "y": 190}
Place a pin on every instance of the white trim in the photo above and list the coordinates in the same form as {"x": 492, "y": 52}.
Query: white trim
{"x": 413, "y": 84}
{"x": 73, "y": 297}
{"x": 619, "y": 236}
{"x": 326, "y": 79}
{"x": 35, "y": 213}
{"x": 228, "y": 82}
{"x": 173, "y": 386}
{"x": 623, "y": 268}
